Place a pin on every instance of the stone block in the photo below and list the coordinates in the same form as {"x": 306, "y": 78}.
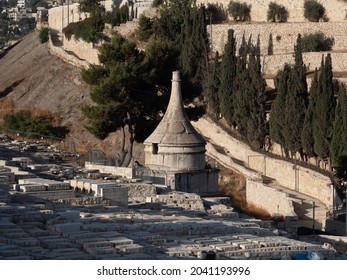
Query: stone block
{"x": 131, "y": 249}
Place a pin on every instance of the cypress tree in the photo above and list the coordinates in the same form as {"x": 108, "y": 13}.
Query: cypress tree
{"x": 243, "y": 50}
{"x": 307, "y": 131}
{"x": 296, "y": 102}
{"x": 270, "y": 48}
{"x": 213, "y": 86}
{"x": 338, "y": 145}
{"x": 242, "y": 93}
{"x": 256, "y": 121}
{"x": 241, "y": 89}
{"x": 277, "y": 119}
{"x": 228, "y": 75}
{"x": 324, "y": 110}
{"x": 194, "y": 41}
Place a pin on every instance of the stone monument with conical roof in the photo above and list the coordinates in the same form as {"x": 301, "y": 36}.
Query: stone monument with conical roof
{"x": 175, "y": 145}
{"x": 175, "y": 151}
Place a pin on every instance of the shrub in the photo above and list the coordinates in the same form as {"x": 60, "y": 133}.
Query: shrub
{"x": 117, "y": 15}
{"x": 145, "y": 29}
{"x": 157, "y": 3}
{"x": 316, "y": 42}
{"x": 31, "y": 126}
{"x": 239, "y": 11}
{"x": 314, "y": 11}
{"x": 89, "y": 30}
{"x": 216, "y": 13}
{"x": 277, "y": 13}
{"x": 43, "y": 35}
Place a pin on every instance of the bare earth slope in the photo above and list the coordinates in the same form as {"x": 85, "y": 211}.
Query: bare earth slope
{"x": 33, "y": 78}
{"x": 30, "y": 77}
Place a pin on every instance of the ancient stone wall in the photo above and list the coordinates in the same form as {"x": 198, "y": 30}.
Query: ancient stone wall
{"x": 286, "y": 173}
{"x": 82, "y": 50}
{"x": 295, "y": 177}
{"x": 335, "y": 10}
{"x": 69, "y": 58}
{"x": 271, "y": 200}
{"x": 59, "y": 17}
{"x": 272, "y": 63}
{"x": 228, "y": 162}
{"x": 284, "y": 37}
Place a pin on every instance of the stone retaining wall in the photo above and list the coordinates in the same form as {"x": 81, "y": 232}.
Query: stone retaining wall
{"x": 286, "y": 173}
{"x": 271, "y": 200}
{"x": 271, "y": 64}
{"x": 284, "y": 35}
{"x": 62, "y": 54}
{"x": 59, "y": 17}
{"x": 335, "y": 10}
{"x": 83, "y": 50}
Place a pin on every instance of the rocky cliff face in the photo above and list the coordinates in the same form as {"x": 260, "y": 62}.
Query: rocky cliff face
{"x": 32, "y": 78}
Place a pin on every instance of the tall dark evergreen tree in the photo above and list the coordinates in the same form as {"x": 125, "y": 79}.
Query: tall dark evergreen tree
{"x": 194, "y": 51}
{"x": 296, "y": 102}
{"x": 241, "y": 88}
{"x": 241, "y": 93}
{"x": 228, "y": 75}
{"x": 213, "y": 86}
{"x": 256, "y": 125}
{"x": 307, "y": 139}
{"x": 338, "y": 145}
{"x": 324, "y": 110}
{"x": 277, "y": 117}
{"x": 270, "y": 48}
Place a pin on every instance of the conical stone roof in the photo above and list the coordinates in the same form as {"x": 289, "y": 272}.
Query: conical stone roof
{"x": 175, "y": 128}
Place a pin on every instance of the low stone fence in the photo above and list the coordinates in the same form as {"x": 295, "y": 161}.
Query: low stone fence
{"x": 228, "y": 162}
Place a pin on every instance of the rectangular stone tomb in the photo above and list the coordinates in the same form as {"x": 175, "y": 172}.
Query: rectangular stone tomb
{"x": 51, "y": 185}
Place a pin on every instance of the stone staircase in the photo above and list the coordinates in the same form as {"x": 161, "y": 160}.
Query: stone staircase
{"x": 307, "y": 211}
{"x": 304, "y": 206}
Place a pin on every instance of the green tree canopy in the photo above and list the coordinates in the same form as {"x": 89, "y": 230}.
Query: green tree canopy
{"x": 296, "y": 102}
{"x": 338, "y": 145}
{"x": 145, "y": 28}
{"x": 124, "y": 87}
{"x": 313, "y": 10}
{"x": 307, "y": 139}
{"x": 277, "y": 117}
{"x": 228, "y": 76}
{"x": 324, "y": 112}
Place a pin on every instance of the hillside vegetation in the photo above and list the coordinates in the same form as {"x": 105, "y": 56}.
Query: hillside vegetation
{"x": 33, "y": 79}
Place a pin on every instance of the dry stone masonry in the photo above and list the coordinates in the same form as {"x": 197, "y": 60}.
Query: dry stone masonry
{"x": 335, "y": 10}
